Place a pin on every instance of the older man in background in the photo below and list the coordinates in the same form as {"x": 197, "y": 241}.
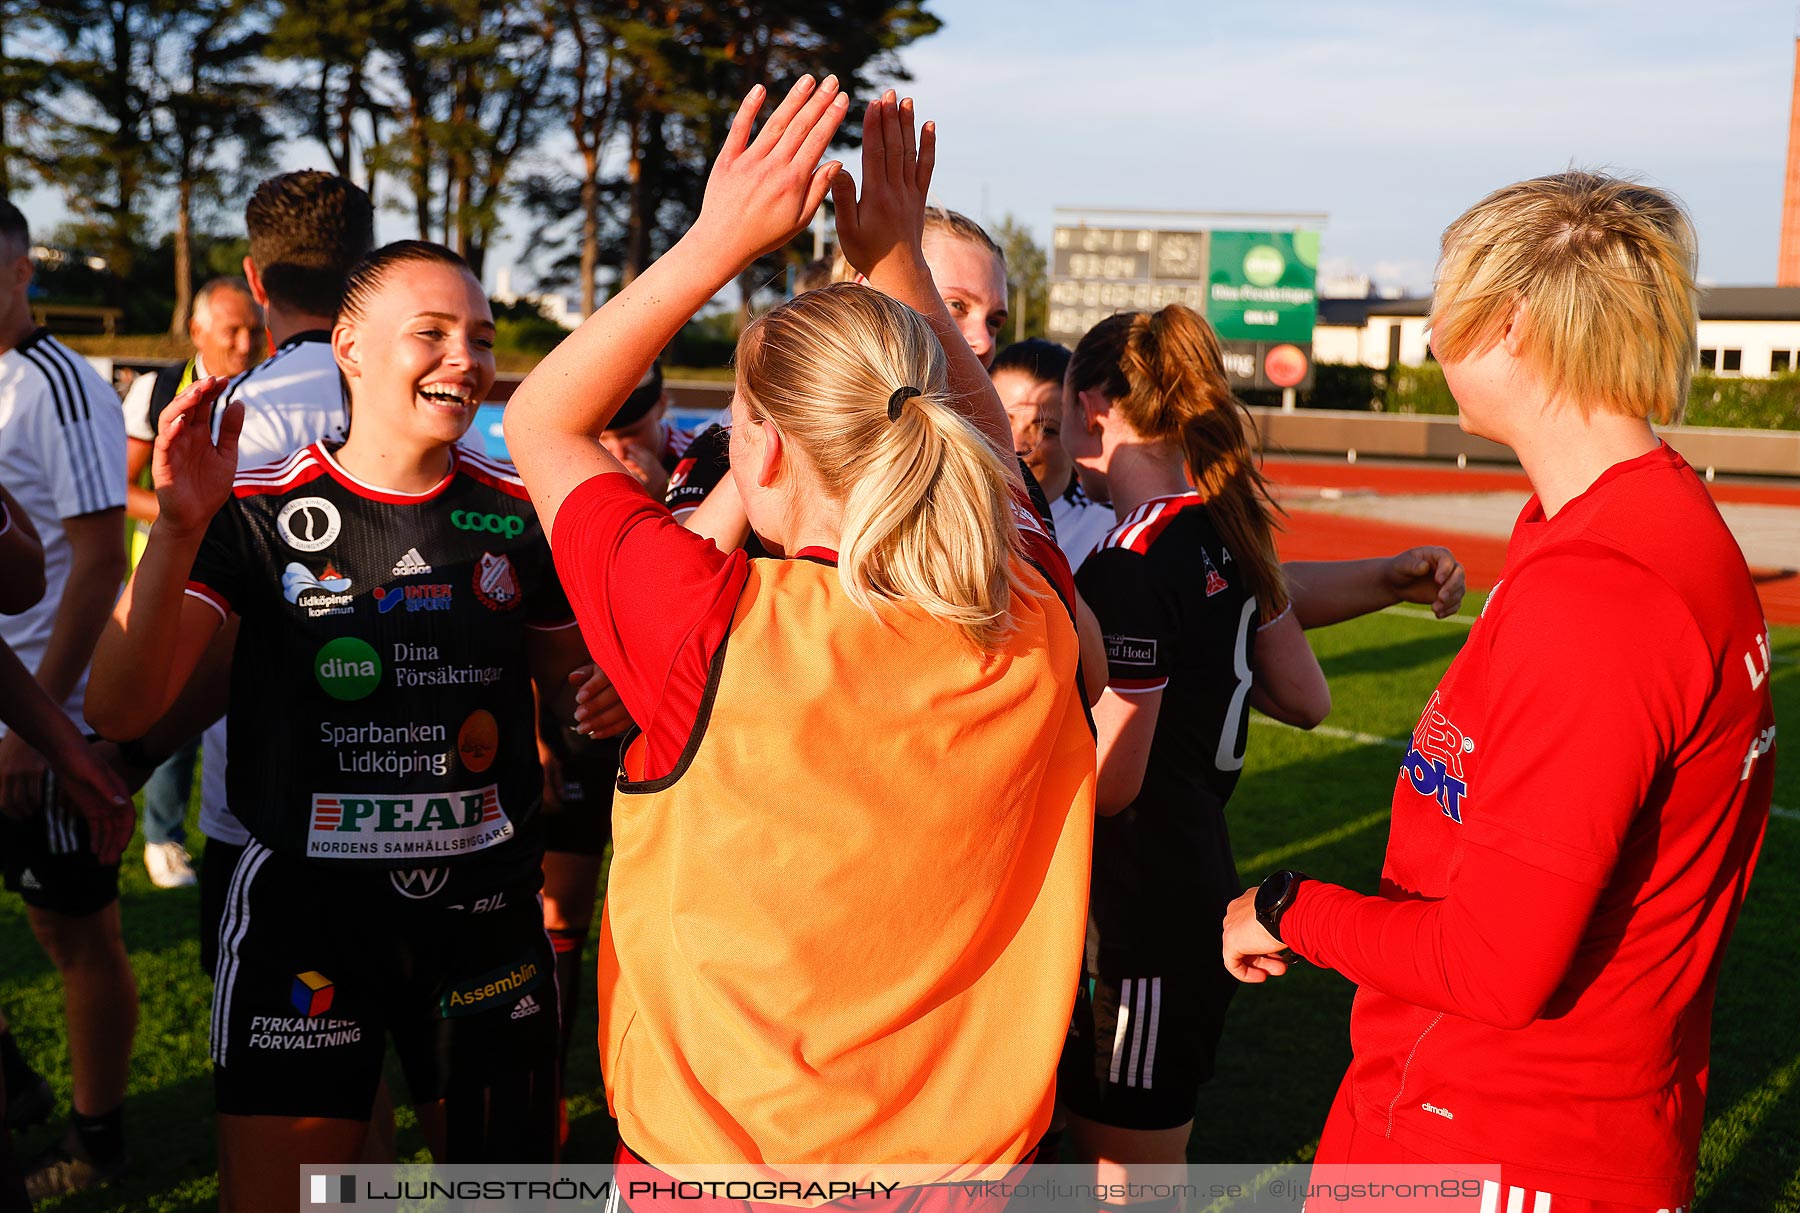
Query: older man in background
{"x": 227, "y": 331}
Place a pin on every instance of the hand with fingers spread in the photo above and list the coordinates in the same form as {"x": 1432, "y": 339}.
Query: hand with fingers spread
{"x": 763, "y": 191}
{"x": 192, "y": 474}
{"x": 885, "y": 228}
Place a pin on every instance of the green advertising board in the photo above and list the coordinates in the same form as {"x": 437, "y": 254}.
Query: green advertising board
{"x": 1258, "y": 290}
{"x": 1261, "y": 286}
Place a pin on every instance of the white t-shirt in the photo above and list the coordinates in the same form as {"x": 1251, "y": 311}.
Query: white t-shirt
{"x": 292, "y": 399}
{"x": 62, "y": 455}
{"x": 137, "y": 398}
{"x": 1081, "y": 522}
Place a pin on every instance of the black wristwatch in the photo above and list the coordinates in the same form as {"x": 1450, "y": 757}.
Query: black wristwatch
{"x": 1274, "y": 896}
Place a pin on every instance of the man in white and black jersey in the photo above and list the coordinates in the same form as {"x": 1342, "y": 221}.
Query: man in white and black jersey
{"x": 62, "y": 455}
{"x": 227, "y": 332}
{"x": 306, "y": 231}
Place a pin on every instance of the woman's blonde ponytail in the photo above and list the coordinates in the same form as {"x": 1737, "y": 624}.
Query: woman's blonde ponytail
{"x": 926, "y": 501}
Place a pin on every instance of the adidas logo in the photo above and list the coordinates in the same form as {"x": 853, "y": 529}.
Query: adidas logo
{"x": 527, "y": 1006}
{"x": 411, "y": 565}
{"x": 28, "y": 880}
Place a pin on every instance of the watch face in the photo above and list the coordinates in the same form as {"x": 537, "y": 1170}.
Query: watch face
{"x": 1272, "y": 893}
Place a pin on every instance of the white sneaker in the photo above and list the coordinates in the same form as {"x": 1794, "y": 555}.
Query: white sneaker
{"x": 169, "y": 865}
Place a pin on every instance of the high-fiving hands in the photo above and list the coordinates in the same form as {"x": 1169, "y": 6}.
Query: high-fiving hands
{"x": 764, "y": 190}
{"x": 887, "y": 224}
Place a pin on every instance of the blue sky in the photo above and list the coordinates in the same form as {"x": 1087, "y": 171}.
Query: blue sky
{"x": 1391, "y": 116}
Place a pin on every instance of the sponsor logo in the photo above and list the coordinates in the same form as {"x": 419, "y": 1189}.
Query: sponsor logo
{"x": 309, "y": 524}
{"x": 406, "y": 655}
{"x": 1489, "y": 600}
{"x": 369, "y": 749}
{"x": 1762, "y": 743}
{"x": 528, "y": 1006}
{"x": 320, "y": 595}
{"x": 28, "y": 880}
{"x": 482, "y": 905}
{"x": 429, "y": 825}
{"x": 1437, "y": 1111}
{"x": 347, "y": 668}
{"x": 478, "y": 740}
{"x": 312, "y": 994}
{"x": 1215, "y": 584}
{"x": 419, "y": 883}
{"x": 287, "y": 1034}
{"x": 1434, "y": 764}
{"x": 1131, "y": 650}
{"x": 474, "y": 997}
{"x": 1758, "y": 677}
{"x": 416, "y": 597}
{"x": 410, "y": 565}
{"x": 495, "y": 583}
{"x": 510, "y": 525}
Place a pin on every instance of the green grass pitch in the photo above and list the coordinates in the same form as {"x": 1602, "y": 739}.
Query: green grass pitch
{"x": 1314, "y": 801}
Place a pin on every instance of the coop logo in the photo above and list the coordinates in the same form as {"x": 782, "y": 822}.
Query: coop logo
{"x": 1130, "y": 650}
{"x": 424, "y": 825}
{"x": 309, "y": 524}
{"x": 510, "y": 525}
{"x": 347, "y": 669}
{"x": 1434, "y": 764}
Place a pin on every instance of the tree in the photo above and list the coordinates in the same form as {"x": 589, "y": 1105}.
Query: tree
{"x": 210, "y": 126}
{"x": 1028, "y": 276}
{"x": 99, "y": 145}
{"x": 24, "y": 78}
{"x": 342, "y": 106}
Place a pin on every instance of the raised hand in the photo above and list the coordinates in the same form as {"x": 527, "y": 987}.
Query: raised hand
{"x": 888, "y": 222}
{"x": 191, "y": 473}
{"x": 763, "y": 191}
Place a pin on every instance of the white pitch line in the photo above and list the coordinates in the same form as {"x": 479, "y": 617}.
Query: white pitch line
{"x": 1400, "y": 743}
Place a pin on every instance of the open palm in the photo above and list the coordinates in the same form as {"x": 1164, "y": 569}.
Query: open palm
{"x": 192, "y": 473}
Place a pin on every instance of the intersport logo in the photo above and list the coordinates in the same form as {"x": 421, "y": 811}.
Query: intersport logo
{"x": 509, "y": 525}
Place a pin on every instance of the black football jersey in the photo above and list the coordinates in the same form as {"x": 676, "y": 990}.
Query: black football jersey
{"x": 381, "y": 701}
{"x": 1178, "y": 617}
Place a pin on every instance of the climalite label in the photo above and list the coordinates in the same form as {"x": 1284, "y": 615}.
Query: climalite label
{"x": 427, "y": 825}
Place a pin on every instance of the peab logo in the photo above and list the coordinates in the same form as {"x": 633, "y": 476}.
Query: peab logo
{"x": 510, "y": 525}
{"x": 347, "y": 668}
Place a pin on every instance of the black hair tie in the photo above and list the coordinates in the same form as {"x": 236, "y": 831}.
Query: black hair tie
{"x": 898, "y": 400}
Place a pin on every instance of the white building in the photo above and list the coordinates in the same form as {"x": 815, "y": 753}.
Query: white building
{"x": 1744, "y": 330}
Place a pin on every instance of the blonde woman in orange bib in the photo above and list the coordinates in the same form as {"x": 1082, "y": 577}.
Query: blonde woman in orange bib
{"x": 845, "y": 914}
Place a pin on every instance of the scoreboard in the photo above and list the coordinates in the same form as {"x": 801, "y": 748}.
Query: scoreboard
{"x": 1258, "y": 290}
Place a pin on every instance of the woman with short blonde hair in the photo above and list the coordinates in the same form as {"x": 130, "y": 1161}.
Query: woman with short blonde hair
{"x": 1583, "y": 798}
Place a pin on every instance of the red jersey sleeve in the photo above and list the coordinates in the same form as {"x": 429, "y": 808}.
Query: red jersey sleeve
{"x": 1595, "y": 669}
{"x": 654, "y": 601}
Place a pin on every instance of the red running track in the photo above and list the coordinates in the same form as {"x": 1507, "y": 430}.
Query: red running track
{"x": 1317, "y": 536}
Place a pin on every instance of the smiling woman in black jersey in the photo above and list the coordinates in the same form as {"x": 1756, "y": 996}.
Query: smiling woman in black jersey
{"x": 397, "y": 603}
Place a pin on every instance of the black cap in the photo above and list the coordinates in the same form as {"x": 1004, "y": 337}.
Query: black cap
{"x": 643, "y": 398}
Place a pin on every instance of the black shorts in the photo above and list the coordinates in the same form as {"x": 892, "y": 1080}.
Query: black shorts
{"x": 217, "y": 861}
{"x": 319, "y": 967}
{"x": 48, "y": 863}
{"x": 582, "y": 825}
{"x": 1141, "y": 1046}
